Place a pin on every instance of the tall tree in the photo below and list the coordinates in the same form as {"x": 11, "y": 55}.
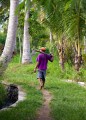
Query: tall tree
{"x": 75, "y": 26}
{"x": 26, "y": 57}
{"x": 11, "y": 36}
{"x": 67, "y": 18}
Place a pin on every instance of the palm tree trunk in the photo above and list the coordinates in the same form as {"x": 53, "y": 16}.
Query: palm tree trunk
{"x": 61, "y": 54}
{"x": 78, "y": 57}
{"x": 11, "y": 35}
{"x": 20, "y": 48}
{"x": 26, "y": 57}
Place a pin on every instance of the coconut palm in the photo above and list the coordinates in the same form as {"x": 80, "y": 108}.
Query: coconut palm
{"x": 75, "y": 26}
{"x": 26, "y": 57}
{"x": 67, "y": 19}
{"x": 11, "y": 36}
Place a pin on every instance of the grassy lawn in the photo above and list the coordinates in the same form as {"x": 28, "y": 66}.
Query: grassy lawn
{"x": 23, "y": 76}
{"x": 69, "y": 99}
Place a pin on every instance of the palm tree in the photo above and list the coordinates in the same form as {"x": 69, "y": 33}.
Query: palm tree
{"x": 75, "y": 26}
{"x": 11, "y": 36}
{"x": 67, "y": 19}
{"x": 26, "y": 57}
{"x": 54, "y": 20}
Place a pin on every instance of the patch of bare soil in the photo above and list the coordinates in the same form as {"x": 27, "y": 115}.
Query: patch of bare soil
{"x": 44, "y": 111}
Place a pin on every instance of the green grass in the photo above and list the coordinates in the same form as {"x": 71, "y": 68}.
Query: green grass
{"x": 2, "y": 94}
{"x": 25, "y": 110}
{"x": 23, "y": 76}
{"x": 69, "y": 99}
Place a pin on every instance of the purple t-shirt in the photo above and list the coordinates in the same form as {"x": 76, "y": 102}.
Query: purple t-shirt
{"x": 43, "y": 60}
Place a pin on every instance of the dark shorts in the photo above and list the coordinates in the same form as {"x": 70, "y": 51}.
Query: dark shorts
{"x": 41, "y": 74}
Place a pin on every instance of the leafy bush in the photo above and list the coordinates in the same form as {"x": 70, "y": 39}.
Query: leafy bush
{"x": 2, "y": 38}
{"x": 2, "y": 41}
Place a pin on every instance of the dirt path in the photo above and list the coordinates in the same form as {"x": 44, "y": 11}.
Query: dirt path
{"x": 44, "y": 111}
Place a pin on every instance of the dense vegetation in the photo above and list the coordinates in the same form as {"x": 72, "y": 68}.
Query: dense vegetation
{"x": 60, "y": 26}
{"x": 68, "y": 98}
